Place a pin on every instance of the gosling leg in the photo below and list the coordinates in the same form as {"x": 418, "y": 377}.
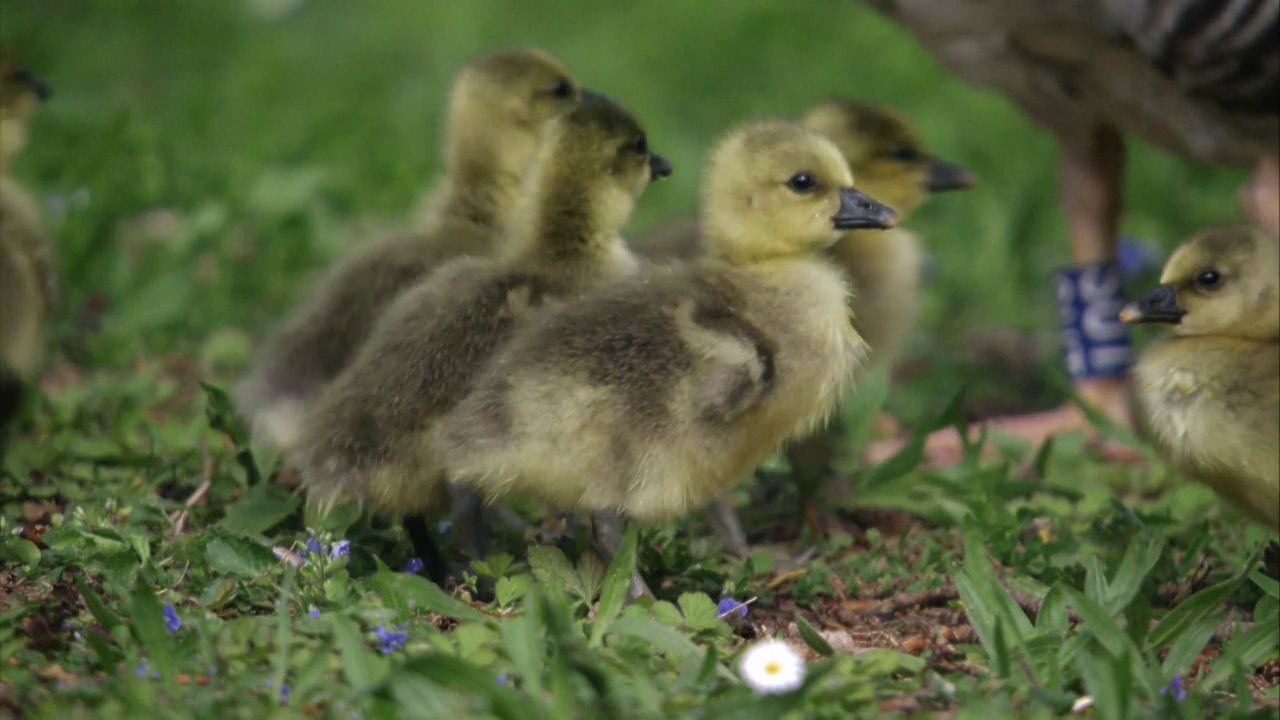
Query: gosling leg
{"x": 607, "y": 528}
{"x": 724, "y": 521}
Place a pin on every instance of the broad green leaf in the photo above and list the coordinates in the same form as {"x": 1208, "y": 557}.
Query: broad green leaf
{"x": 1100, "y": 623}
{"x": 19, "y": 550}
{"x": 359, "y": 664}
{"x": 421, "y": 698}
{"x": 1053, "y": 610}
{"x": 461, "y": 676}
{"x": 507, "y": 590}
{"x": 659, "y": 636}
{"x": 524, "y": 645}
{"x": 260, "y": 509}
{"x": 149, "y": 628}
{"x": 238, "y": 556}
{"x": 590, "y": 574}
{"x": 426, "y": 594}
{"x": 1269, "y": 585}
{"x": 616, "y": 582}
{"x": 1108, "y": 680}
{"x": 812, "y": 638}
{"x": 551, "y": 567}
{"x": 1140, "y": 557}
{"x": 710, "y": 661}
{"x": 699, "y": 611}
{"x": 107, "y": 619}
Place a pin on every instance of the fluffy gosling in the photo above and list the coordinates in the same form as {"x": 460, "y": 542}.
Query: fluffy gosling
{"x": 1209, "y": 395}
{"x": 497, "y": 106}
{"x": 645, "y": 400}
{"x": 373, "y": 434}
{"x": 28, "y": 287}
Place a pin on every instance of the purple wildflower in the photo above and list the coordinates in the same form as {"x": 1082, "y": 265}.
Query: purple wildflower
{"x": 171, "y": 619}
{"x": 284, "y": 690}
{"x": 313, "y": 545}
{"x": 314, "y": 612}
{"x": 340, "y": 548}
{"x": 1175, "y": 689}
{"x": 502, "y": 678}
{"x": 728, "y": 605}
{"x": 393, "y": 639}
{"x": 144, "y": 668}
{"x": 414, "y": 566}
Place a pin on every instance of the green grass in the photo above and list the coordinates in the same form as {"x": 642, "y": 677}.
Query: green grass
{"x": 200, "y": 165}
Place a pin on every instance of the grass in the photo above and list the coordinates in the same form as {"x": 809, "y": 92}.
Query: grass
{"x": 199, "y": 162}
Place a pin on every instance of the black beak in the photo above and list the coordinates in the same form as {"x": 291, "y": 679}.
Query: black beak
{"x": 658, "y": 166}
{"x": 944, "y": 176}
{"x": 591, "y": 97}
{"x": 38, "y": 86}
{"x": 859, "y": 211}
{"x": 1159, "y": 305}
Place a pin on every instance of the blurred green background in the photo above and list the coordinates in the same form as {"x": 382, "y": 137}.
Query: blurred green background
{"x": 200, "y": 160}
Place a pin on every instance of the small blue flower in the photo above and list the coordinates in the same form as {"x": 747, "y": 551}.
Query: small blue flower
{"x": 284, "y": 690}
{"x": 314, "y": 612}
{"x": 393, "y": 639}
{"x": 729, "y": 605}
{"x": 144, "y": 668}
{"x": 414, "y": 566}
{"x": 171, "y": 619}
{"x": 339, "y": 549}
{"x": 502, "y": 678}
{"x": 313, "y": 545}
{"x": 1175, "y": 689}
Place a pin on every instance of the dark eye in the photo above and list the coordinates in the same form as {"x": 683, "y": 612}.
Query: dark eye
{"x": 563, "y": 89}
{"x": 802, "y": 182}
{"x": 640, "y": 145}
{"x": 905, "y": 153}
{"x": 1208, "y": 279}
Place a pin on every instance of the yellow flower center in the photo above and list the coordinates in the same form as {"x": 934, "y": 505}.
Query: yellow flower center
{"x": 772, "y": 668}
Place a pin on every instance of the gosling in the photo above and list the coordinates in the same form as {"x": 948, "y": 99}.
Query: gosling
{"x": 1209, "y": 395}
{"x": 28, "y": 288}
{"x": 373, "y": 434}
{"x": 497, "y": 106}
{"x": 645, "y": 400}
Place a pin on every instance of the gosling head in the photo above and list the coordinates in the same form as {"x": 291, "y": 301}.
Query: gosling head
{"x": 886, "y": 155}
{"x": 591, "y": 165}
{"x": 20, "y": 94}
{"x": 498, "y": 104}
{"x": 1224, "y": 281}
{"x": 776, "y": 189}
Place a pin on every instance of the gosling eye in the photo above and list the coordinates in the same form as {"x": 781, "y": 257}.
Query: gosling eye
{"x": 640, "y": 145}
{"x": 1208, "y": 279}
{"x": 904, "y": 153}
{"x": 563, "y": 89}
{"x": 802, "y": 182}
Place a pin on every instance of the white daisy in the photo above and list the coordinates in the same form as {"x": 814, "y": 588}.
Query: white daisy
{"x": 772, "y": 667}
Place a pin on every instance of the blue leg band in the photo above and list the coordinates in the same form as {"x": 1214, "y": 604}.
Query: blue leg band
{"x": 1095, "y": 342}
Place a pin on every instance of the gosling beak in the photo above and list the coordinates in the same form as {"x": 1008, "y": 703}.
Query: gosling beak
{"x": 658, "y": 166}
{"x": 859, "y": 211}
{"x": 944, "y": 176}
{"x": 1159, "y": 305}
{"x": 38, "y": 86}
{"x": 591, "y": 97}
